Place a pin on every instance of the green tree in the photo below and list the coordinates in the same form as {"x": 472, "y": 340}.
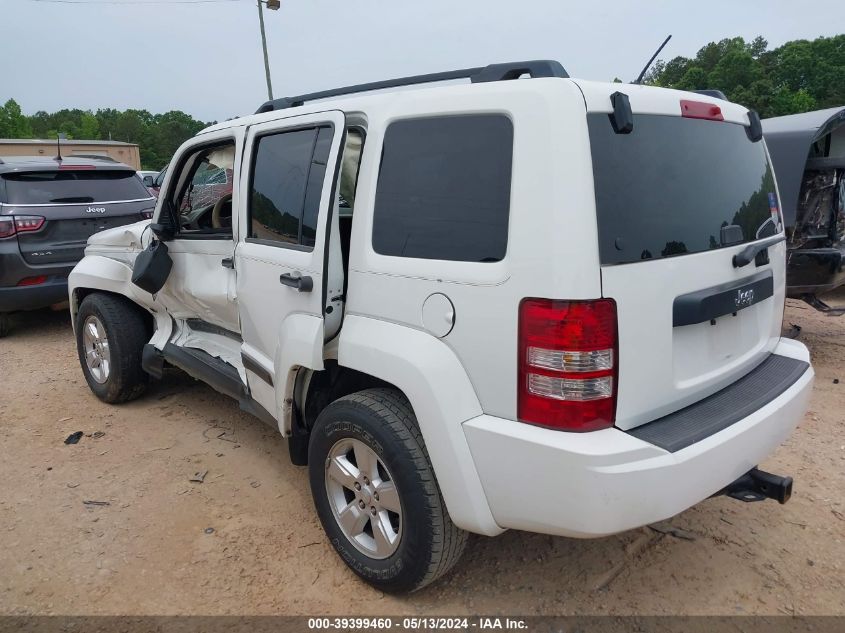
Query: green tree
{"x": 157, "y": 135}
{"x": 799, "y": 76}
{"x": 13, "y": 123}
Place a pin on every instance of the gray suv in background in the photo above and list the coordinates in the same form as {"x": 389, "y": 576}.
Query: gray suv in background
{"x": 48, "y": 209}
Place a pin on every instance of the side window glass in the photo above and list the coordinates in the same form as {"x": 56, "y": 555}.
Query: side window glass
{"x": 204, "y": 203}
{"x": 444, "y": 188}
{"x": 286, "y": 185}
{"x": 313, "y": 191}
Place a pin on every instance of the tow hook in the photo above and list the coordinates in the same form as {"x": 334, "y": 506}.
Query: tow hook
{"x": 757, "y": 485}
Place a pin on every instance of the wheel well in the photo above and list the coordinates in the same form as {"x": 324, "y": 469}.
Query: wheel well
{"x": 334, "y": 382}
{"x": 79, "y": 295}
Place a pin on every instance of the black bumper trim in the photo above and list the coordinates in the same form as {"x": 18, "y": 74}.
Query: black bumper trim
{"x": 715, "y": 413}
{"x": 44, "y": 295}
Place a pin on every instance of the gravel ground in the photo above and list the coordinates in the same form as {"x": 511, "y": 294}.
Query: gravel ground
{"x": 247, "y": 540}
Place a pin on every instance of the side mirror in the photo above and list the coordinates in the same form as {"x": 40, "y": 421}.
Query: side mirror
{"x": 168, "y": 224}
{"x": 162, "y": 232}
{"x": 148, "y": 180}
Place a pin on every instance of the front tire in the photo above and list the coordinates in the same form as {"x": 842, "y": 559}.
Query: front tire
{"x": 376, "y": 494}
{"x": 4, "y": 324}
{"x": 110, "y": 337}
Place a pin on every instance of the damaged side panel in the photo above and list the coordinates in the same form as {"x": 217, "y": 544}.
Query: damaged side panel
{"x": 808, "y": 152}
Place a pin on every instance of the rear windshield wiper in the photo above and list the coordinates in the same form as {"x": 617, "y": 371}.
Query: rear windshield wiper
{"x": 73, "y": 199}
{"x": 747, "y": 254}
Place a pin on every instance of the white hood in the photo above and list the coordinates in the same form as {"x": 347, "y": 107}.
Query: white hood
{"x": 128, "y": 236}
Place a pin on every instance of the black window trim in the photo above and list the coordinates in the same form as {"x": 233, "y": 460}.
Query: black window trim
{"x": 316, "y": 125}
{"x": 193, "y": 150}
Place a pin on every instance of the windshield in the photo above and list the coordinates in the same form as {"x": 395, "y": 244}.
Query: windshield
{"x": 70, "y": 186}
{"x": 676, "y": 186}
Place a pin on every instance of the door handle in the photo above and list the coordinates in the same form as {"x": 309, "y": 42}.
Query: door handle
{"x": 302, "y": 284}
{"x": 228, "y": 262}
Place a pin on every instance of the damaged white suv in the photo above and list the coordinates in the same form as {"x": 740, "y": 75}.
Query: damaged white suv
{"x": 543, "y": 304}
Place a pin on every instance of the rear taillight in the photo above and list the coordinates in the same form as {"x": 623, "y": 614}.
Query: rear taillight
{"x": 10, "y": 225}
{"x": 7, "y": 227}
{"x": 26, "y": 223}
{"x": 567, "y": 366}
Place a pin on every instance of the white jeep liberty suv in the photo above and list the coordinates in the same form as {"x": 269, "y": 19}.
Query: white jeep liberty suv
{"x": 521, "y": 302}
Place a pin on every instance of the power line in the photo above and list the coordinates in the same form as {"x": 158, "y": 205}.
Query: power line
{"x": 134, "y": 2}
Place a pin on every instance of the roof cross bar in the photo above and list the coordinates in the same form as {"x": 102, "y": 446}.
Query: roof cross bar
{"x": 493, "y": 72}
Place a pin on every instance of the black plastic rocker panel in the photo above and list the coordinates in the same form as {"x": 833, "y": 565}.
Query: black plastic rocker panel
{"x": 482, "y": 74}
{"x": 715, "y": 413}
{"x": 217, "y": 373}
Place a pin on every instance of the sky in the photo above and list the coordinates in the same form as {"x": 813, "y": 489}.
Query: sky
{"x": 204, "y": 57}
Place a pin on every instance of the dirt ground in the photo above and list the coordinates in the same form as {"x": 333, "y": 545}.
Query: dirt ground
{"x": 247, "y": 539}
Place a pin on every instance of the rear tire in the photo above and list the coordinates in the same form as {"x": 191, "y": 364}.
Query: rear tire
{"x": 403, "y": 539}
{"x": 4, "y": 324}
{"x": 110, "y": 338}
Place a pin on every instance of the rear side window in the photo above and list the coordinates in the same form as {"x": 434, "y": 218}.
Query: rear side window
{"x": 444, "y": 188}
{"x": 675, "y": 186}
{"x": 73, "y": 186}
{"x": 286, "y": 185}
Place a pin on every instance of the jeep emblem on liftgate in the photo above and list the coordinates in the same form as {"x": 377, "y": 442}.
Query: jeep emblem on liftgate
{"x": 95, "y": 210}
{"x": 744, "y": 298}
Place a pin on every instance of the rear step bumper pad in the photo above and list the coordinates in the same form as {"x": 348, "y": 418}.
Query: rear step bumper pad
{"x": 715, "y": 413}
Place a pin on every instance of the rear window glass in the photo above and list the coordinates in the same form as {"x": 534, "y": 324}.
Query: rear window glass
{"x": 444, "y": 188}
{"x": 675, "y": 186}
{"x": 69, "y": 186}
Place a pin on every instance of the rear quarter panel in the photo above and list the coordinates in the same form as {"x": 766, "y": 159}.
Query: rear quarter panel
{"x": 551, "y": 249}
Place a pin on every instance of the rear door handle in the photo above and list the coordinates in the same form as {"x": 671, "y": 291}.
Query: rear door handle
{"x": 228, "y": 262}
{"x": 302, "y": 284}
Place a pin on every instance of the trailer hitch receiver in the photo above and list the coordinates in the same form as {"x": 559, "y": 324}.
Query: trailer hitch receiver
{"x": 757, "y": 485}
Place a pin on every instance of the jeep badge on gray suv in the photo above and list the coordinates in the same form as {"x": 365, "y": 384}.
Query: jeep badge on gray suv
{"x": 48, "y": 210}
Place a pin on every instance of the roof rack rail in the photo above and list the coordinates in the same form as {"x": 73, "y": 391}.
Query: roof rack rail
{"x": 482, "y": 74}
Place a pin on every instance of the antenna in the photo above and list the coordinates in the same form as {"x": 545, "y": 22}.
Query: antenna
{"x": 639, "y": 79}
{"x": 59, "y": 137}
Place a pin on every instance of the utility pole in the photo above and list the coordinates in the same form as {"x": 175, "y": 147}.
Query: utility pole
{"x": 274, "y": 6}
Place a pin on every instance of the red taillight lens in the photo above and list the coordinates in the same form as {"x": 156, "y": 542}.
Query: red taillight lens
{"x": 26, "y": 223}
{"x": 701, "y": 110}
{"x": 33, "y": 281}
{"x": 7, "y": 227}
{"x": 10, "y": 225}
{"x": 568, "y": 360}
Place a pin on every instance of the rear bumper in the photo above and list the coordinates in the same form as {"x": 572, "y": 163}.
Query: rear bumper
{"x": 604, "y": 482}
{"x": 14, "y": 268}
{"x": 33, "y": 297}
